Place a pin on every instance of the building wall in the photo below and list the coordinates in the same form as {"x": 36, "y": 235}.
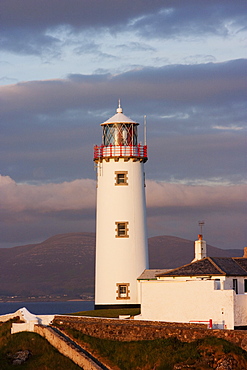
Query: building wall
{"x": 185, "y": 301}
{"x": 229, "y": 283}
{"x": 240, "y": 310}
{"x": 120, "y": 260}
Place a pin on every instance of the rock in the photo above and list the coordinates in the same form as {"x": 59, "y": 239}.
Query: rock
{"x": 226, "y": 363}
{"x": 20, "y": 357}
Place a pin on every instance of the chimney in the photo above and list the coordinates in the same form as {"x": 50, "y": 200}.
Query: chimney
{"x": 200, "y": 248}
{"x": 245, "y": 252}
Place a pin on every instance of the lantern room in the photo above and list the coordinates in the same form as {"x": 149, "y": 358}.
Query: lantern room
{"x": 119, "y": 139}
{"x": 119, "y": 130}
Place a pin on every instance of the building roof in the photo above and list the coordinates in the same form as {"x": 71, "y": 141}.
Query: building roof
{"x": 119, "y": 117}
{"x": 150, "y": 274}
{"x": 225, "y": 266}
{"x": 242, "y": 262}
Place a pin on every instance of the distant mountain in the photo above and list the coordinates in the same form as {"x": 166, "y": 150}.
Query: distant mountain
{"x": 63, "y": 265}
{"x": 170, "y": 251}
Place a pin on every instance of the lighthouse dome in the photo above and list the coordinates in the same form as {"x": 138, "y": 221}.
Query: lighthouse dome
{"x": 119, "y": 117}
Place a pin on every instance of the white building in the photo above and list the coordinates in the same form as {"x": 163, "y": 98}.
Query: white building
{"x": 208, "y": 290}
{"x": 121, "y": 233}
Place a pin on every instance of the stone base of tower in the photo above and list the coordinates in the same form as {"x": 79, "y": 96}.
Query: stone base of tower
{"x": 115, "y": 306}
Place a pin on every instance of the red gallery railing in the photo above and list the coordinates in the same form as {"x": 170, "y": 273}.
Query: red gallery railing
{"x": 113, "y": 151}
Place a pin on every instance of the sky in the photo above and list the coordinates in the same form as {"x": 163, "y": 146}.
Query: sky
{"x": 63, "y": 66}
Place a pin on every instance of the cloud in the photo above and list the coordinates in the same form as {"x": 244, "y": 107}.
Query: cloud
{"x": 198, "y": 18}
{"x": 197, "y": 157}
{"x": 161, "y": 194}
{"x": 28, "y": 26}
{"x": 79, "y": 14}
{"x": 80, "y": 194}
{"x": 45, "y": 198}
{"x": 187, "y": 108}
{"x": 70, "y": 206}
{"x": 196, "y": 85}
{"x": 231, "y": 128}
{"x": 24, "y": 42}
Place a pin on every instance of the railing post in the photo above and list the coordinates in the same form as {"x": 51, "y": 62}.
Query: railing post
{"x": 210, "y": 324}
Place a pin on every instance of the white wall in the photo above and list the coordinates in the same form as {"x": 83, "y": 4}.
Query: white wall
{"x": 26, "y": 326}
{"x": 185, "y": 301}
{"x": 120, "y": 260}
{"x": 240, "y": 309}
{"x": 229, "y": 283}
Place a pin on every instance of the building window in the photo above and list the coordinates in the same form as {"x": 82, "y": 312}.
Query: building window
{"x": 121, "y": 178}
{"x": 123, "y": 291}
{"x": 245, "y": 285}
{"x": 235, "y": 285}
{"x": 217, "y": 284}
{"x": 122, "y": 230}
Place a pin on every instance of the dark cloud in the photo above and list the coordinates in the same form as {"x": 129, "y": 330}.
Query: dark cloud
{"x": 217, "y": 157}
{"x": 199, "y": 85}
{"x": 77, "y": 13}
{"x": 196, "y": 122}
{"x": 198, "y": 18}
{"x": 27, "y": 26}
{"x": 23, "y": 41}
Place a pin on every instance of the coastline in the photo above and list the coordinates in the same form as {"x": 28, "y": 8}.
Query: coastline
{"x": 47, "y": 307}
{"x": 51, "y": 299}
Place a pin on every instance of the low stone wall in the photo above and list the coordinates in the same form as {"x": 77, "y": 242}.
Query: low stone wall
{"x": 10, "y": 316}
{"x": 67, "y": 349}
{"x": 129, "y": 330}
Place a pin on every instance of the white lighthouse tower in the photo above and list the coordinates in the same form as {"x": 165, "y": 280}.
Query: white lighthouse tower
{"x": 121, "y": 233}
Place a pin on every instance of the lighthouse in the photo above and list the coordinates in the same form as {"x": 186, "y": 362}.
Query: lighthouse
{"x": 121, "y": 232}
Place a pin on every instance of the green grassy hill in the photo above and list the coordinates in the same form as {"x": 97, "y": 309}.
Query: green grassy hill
{"x": 42, "y": 356}
{"x": 164, "y": 354}
{"x": 160, "y": 354}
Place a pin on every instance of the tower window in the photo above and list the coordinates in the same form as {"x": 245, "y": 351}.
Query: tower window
{"x": 245, "y": 285}
{"x": 122, "y": 230}
{"x": 123, "y": 291}
{"x": 121, "y": 178}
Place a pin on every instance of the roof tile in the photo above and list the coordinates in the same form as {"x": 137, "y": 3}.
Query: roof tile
{"x": 211, "y": 266}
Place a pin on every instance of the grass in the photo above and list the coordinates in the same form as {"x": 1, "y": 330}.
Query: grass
{"x": 161, "y": 354}
{"x": 43, "y": 355}
{"x": 110, "y": 313}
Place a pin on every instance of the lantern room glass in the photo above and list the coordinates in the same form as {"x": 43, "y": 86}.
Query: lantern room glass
{"x": 120, "y": 134}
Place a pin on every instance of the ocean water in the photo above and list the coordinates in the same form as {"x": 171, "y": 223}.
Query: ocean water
{"x": 47, "y": 308}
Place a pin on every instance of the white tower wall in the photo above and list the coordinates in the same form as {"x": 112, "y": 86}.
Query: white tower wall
{"x": 120, "y": 260}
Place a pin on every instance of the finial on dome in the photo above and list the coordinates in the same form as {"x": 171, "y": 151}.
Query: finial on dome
{"x": 119, "y": 110}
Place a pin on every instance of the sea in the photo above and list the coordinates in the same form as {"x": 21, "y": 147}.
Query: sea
{"x": 47, "y": 308}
